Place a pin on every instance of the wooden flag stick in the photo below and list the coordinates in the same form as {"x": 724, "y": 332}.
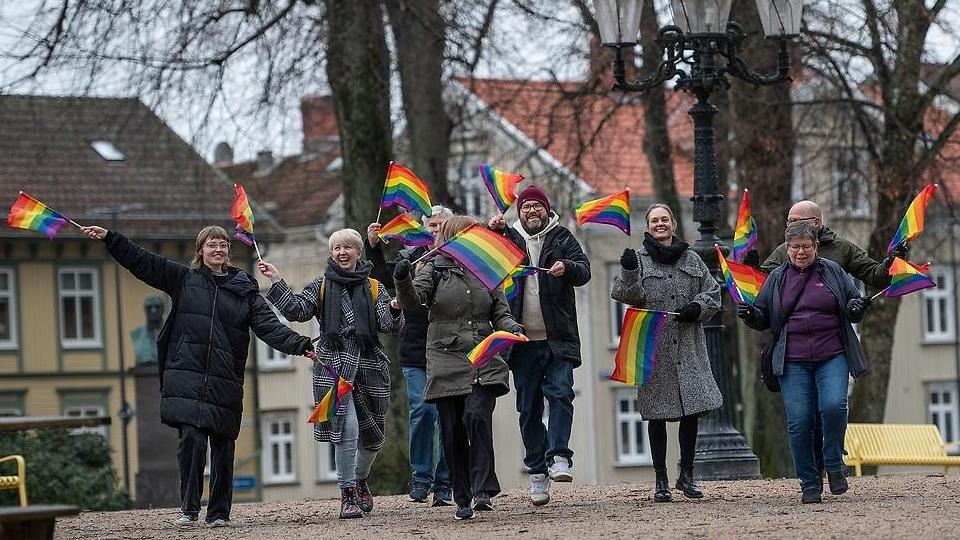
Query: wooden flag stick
{"x": 384, "y": 193}
{"x": 257, "y": 248}
{"x": 879, "y": 293}
{"x": 657, "y": 311}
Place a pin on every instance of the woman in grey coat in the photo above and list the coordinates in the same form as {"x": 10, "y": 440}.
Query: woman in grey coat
{"x": 461, "y": 313}
{"x": 664, "y": 275}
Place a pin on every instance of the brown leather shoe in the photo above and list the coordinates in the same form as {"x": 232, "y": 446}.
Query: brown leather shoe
{"x": 364, "y": 497}
{"x": 348, "y": 504}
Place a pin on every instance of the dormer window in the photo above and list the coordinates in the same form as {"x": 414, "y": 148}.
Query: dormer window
{"x": 107, "y": 151}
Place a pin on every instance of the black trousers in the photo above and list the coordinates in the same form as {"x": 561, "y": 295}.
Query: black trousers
{"x": 466, "y": 426}
{"x": 657, "y": 430}
{"x": 192, "y": 457}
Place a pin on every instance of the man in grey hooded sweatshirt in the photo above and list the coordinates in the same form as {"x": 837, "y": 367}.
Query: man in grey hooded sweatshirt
{"x": 543, "y": 367}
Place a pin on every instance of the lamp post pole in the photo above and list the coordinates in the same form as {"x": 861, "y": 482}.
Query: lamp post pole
{"x": 691, "y": 49}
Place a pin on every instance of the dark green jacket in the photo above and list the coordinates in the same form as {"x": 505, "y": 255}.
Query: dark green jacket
{"x": 848, "y": 255}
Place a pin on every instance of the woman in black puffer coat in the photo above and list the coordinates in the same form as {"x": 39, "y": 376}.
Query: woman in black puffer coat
{"x": 202, "y": 352}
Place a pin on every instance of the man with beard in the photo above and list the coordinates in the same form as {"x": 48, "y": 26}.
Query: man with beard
{"x": 543, "y": 367}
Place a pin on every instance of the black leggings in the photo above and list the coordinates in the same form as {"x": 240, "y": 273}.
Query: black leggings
{"x": 657, "y": 429}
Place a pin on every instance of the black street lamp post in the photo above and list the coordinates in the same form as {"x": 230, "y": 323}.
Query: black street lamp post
{"x": 701, "y": 36}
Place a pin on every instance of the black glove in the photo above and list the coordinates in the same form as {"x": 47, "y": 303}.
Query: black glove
{"x": 752, "y": 258}
{"x": 688, "y": 313}
{"x": 902, "y": 251}
{"x": 888, "y": 262}
{"x": 402, "y": 270}
{"x": 857, "y": 306}
{"x": 629, "y": 260}
{"x": 748, "y": 313}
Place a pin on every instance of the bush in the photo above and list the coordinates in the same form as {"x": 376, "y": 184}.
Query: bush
{"x": 64, "y": 469}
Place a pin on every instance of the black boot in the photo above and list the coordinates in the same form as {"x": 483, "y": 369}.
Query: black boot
{"x": 662, "y": 493}
{"x": 686, "y": 484}
{"x": 348, "y": 504}
{"x": 837, "y": 481}
{"x": 364, "y": 497}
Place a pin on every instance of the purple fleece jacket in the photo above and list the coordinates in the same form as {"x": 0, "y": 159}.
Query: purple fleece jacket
{"x": 813, "y": 329}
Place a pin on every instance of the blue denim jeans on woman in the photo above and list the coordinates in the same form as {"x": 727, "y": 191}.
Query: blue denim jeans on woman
{"x": 352, "y": 462}
{"x": 428, "y": 467}
{"x": 805, "y": 387}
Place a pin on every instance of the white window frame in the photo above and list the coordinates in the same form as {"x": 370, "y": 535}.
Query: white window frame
{"x": 632, "y": 457}
{"x": 617, "y": 309}
{"x": 932, "y": 299}
{"x": 90, "y": 410}
{"x": 326, "y": 462}
{"x": 944, "y": 415}
{"x": 11, "y": 295}
{"x": 96, "y": 340}
{"x": 270, "y": 359}
{"x": 275, "y": 446}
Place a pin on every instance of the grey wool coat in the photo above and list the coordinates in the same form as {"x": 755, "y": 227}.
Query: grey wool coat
{"x": 683, "y": 383}
{"x": 461, "y": 313}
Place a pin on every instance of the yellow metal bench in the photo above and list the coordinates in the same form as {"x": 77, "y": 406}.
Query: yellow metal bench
{"x": 17, "y": 481}
{"x": 896, "y": 444}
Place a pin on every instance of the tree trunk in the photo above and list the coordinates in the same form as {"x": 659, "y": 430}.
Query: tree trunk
{"x": 763, "y": 141}
{"x": 419, "y": 36}
{"x": 358, "y": 69}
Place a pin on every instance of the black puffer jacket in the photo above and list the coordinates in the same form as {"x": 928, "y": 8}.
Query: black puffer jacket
{"x": 202, "y": 348}
{"x": 557, "y": 301}
{"x": 413, "y": 335}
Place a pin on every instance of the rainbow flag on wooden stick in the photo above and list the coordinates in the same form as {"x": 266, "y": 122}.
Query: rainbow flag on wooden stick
{"x": 636, "y": 358}
{"x": 743, "y": 281}
{"x": 745, "y": 234}
{"x": 493, "y": 345}
{"x": 509, "y": 284}
{"x": 912, "y": 223}
{"x": 501, "y": 185}
{"x": 32, "y": 215}
{"x": 405, "y": 189}
{"x": 907, "y": 278}
{"x": 241, "y": 211}
{"x": 612, "y": 210}
{"x": 326, "y": 410}
{"x": 488, "y": 255}
{"x": 407, "y": 230}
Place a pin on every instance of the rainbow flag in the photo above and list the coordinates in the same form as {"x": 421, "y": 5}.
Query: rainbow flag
{"x": 326, "y": 410}
{"x": 488, "y": 255}
{"x": 241, "y": 211}
{"x": 501, "y": 185}
{"x": 745, "y": 235}
{"x": 907, "y": 278}
{"x": 406, "y": 190}
{"x": 509, "y": 284}
{"x": 32, "y": 215}
{"x": 743, "y": 281}
{"x": 492, "y": 345}
{"x": 912, "y": 223}
{"x": 244, "y": 236}
{"x": 636, "y": 358}
{"x": 407, "y": 230}
{"x": 613, "y": 210}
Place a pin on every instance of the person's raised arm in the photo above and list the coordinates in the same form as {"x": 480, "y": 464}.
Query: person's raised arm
{"x": 150, "y": 268}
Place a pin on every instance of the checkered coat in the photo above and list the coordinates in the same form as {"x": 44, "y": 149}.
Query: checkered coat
{"x": 369, "y": 373}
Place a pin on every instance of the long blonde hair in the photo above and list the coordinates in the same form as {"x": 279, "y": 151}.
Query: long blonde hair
{"x": 210, "y": 232}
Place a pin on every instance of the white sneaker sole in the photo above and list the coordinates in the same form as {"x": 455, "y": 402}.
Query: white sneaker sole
{"x": 560, "y": 476}
{"x": 540, "y": 502}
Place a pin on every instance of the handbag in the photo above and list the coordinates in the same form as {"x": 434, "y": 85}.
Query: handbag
{"x": 769, "y": 379}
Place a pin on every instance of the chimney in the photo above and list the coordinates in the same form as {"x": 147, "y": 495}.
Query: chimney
{"x": 264, "y": 161}
{"x": 222, "y": 155}
{"x": 321, "y": 134}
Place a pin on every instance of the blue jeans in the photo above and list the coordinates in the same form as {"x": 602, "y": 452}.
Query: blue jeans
{"x": 807, "y": 387}
{"x": 424, "y": 429}
{"x": 537, "y": 374}
{"x": 352, "y": 462}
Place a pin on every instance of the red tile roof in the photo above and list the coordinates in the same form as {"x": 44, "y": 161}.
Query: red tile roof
{"x": 45, "y": 150}
{"x": 596, "y": 136}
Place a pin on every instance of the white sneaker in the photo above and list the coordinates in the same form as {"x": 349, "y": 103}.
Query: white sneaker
{"x": 185, "y": 520}
{"x": 539, "y": 489}
{"x": 560, "y": 470}
{"x": 219, "y": 522}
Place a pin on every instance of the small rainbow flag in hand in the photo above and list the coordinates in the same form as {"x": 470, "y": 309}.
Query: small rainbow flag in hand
{"x": 492, "y": 345}
{"x": 912, "y": 223}
{"x": 326, "y": 410}
{"x": 612, "y": 210}
{"x": 407, "y": 230}
{"x": 636, "y": 358}
{"x": 907, "y": 278}
{"x": 743, "y": 281}
{"x": 405, "y": 189}
{"x": 501, "y": 185}
{"x": 745, "y": 235}
{"x": 241, "y": 211}
{"x": 488, "y": 255}
{"x": 32, "y": 215}
{"x": 510, "y": 289}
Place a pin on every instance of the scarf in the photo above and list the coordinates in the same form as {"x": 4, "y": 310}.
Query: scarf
{"x": 664, "y": 254}
{"x": 364, "y": 310}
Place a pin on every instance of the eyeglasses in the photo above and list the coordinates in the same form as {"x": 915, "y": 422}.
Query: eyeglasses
{"x": 532, "y": 207}
{"x": 217, "y": 245}
{"x": 805, "y": 248}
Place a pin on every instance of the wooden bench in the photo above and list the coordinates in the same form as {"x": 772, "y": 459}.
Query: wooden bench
{"x": 896, "y": 444}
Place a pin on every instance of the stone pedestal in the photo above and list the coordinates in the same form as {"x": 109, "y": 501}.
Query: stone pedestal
{"x": 158, "y": 478}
